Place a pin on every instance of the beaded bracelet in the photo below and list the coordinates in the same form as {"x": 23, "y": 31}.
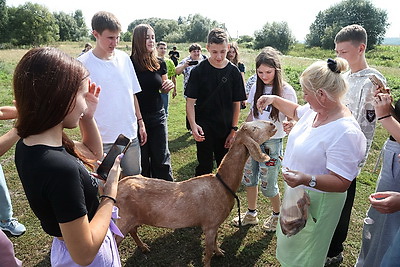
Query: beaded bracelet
{"x": 105, "y": 196}
{"x": 140, "y": 119}
{"x": 384, "y": 117}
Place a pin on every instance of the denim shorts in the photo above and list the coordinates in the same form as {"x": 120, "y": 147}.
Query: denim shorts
{"x": 267, "y": 171}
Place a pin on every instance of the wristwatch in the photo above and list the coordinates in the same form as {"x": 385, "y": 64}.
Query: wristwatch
{"x": 313, "y": 181}
{"x": 235, "y": 128}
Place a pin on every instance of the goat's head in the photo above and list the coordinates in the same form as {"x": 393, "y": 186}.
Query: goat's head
{"x": 253, "y": 134}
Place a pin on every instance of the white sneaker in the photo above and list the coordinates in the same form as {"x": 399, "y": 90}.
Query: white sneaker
{"x": 270, "y": 223}
{"x": 13, "y": 227}
{"x": 247, "y": 218}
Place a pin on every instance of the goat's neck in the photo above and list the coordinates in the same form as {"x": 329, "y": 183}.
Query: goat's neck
{"x": 231, "y": 167}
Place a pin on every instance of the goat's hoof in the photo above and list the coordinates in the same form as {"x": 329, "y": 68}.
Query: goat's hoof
{"x": 144, "y": 248}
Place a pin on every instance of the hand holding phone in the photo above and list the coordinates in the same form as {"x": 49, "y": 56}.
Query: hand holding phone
{"x": 377, "y": 82}
{"x": 193, "y": 62}
{"x": 120, "y": 146}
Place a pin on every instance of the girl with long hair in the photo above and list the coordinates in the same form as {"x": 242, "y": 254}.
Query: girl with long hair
{"x": 151, "y": 72}
{"x": 52, "y": 92}
{"x": 269, "y": 82}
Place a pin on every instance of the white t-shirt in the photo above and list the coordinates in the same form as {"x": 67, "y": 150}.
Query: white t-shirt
{"x": 115, "y": 113}
{"x": 338, "y": 146}
{"x": 288, "y": 93}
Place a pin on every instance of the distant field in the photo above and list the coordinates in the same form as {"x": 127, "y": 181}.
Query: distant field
{"x": 249, "y": 246}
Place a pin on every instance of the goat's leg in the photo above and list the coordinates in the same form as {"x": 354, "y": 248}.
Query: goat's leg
{"x": 143, "y": 246}
{"x": 211, "y": 245}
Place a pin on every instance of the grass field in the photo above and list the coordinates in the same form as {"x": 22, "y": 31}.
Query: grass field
{"x": 249, "y": 246}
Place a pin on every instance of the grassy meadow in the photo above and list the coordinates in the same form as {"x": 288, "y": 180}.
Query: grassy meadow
{"x": 248, "y": 246}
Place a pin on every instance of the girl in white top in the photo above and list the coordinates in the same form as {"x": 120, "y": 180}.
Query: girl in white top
{"x": 269, "y": 82}
{"x": 323, "y": 154}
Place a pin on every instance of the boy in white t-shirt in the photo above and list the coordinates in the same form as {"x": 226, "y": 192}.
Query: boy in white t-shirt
{"x": 118, "y": 109}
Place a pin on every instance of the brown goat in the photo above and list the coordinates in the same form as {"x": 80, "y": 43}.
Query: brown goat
{"x": 177, "y": 204}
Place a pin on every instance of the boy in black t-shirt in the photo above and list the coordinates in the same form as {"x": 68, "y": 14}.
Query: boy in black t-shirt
{"x": 217, "y": 88}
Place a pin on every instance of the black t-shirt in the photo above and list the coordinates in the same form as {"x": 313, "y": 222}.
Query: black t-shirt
{"x": 214, "y": 110}
{"x": 150, "y": 81}
{"x": 57, "y": 185}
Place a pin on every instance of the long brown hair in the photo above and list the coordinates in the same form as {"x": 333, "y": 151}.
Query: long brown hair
{"x": 269, "y": 56}
{"x": 46, "y": 82}
{"x": 140, "y": 55}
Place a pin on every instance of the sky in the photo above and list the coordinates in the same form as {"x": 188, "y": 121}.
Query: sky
{"x": 240, "y": 18}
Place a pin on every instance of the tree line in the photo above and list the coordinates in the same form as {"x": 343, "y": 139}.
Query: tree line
{"x": 33, "y": 25}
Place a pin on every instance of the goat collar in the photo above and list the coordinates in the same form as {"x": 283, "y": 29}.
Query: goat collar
{"x": 233, "y": 193}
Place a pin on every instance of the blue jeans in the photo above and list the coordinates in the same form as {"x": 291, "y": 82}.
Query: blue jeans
{"x": 5, "y": 200}
{"x": 156, "y": 158}
{"x": 165, "y": 99}
{"x": 130, "y": 163}
{"x": 268, "y": 171}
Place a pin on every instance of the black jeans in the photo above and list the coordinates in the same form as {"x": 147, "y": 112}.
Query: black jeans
{"x": 343, "y": 225}
{"x": 208, "y": 150}
{"x": 155, "y": 155}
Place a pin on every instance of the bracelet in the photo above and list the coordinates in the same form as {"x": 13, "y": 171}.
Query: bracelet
{"x": 140, "y": 119}
{"x": 384, "y": 117}
{"x": 111, "y": 198}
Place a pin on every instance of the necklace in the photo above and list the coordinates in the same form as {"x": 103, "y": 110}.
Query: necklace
{"x": 319, "y": 123}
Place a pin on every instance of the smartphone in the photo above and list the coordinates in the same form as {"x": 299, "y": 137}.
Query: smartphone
{"x": 377, "y": 82}
{"x": 193, "y": 62}
{"x": 120, "y": 146}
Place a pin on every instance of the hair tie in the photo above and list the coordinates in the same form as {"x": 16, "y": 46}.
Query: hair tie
{"x": 332, "y": 65}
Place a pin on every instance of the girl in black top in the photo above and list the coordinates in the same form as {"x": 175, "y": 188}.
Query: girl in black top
{"x": 152, "y": 75}
{"x": 53, "y": 92}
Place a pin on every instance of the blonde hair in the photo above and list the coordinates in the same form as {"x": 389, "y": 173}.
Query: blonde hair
{"x": 326, "y": 75}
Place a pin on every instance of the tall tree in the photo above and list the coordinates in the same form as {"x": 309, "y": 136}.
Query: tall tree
{"x": 162, "y": 27}
{"x": 80, "y": 22}
{"x": 275, "y": 34}
{"x": 3, "y": 21}
{"x": 331, "y": 20}
{"x": 32, "y": 24}
{"x": 197, "y": 28}
{"x": 68, "y": 28}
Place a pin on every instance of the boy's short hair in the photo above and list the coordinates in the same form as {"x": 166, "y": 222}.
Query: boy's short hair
{"x": 194, "y": 47}
{"x": 217, "y": 36}
{"x": 161, "y": 43}
{"x": 352, "y": 33}
{"x": 104, "y": 20}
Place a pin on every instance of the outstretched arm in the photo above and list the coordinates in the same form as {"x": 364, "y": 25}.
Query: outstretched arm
{"x": 285, "y": 106}
{"x": 8, "y": 112}
{"x": 8, "y": 140}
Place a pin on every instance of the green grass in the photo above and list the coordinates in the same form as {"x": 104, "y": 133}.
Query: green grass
{"x": 249, "y": 246}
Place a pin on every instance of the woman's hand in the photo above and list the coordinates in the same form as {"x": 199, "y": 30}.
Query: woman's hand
{"x": 383, "y": 104}
{"x": 288, "y": 126}
{"x": 142, "y": 133}
{"x": 385, "y": 202}
{"x": 111, "y": 185}
{"x": 167, "y": 86}
{"x": 92, "y": 99}
{"x": 264, "y": 101}
{"x": 294, "y": 178}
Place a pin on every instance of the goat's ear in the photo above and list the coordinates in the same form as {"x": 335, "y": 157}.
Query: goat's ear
{"x": 255, "y": 150}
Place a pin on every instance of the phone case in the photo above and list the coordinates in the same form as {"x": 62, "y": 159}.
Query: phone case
{"x": 120, "y": 145}
{"x": 377, "y": 82}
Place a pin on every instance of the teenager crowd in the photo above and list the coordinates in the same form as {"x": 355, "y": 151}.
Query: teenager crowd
{"x": 106, "y": 92}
